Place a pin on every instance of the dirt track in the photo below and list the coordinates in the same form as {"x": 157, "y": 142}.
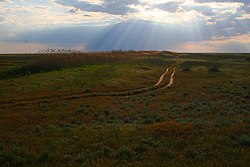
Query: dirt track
{"x": 171, "y": 81}
{"x": 157, "y": 86}
{"x": 162, "y": 77}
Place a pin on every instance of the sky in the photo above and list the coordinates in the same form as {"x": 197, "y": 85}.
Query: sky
{"x": 104, "y": 25}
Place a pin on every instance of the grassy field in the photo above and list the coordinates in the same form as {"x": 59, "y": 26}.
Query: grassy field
{"x": 203, "y": 119}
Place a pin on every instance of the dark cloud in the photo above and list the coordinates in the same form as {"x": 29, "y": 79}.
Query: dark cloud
{"x": 246, "y": 8}
{"x": 132, "y": 34}
{"x": 72, "y": 11}
{"x": 115, "y": 7}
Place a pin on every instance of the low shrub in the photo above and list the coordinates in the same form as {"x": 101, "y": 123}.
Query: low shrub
{"x": 127, "y": 120}
{"x": 200, "y": 123}
{"x": 148, "y": 121}
{"x": 211, "y": 66}
{"x": 104, "y": 151}
{"x": 1, "y": 146}
{"x": 244, "y": 140}
{"x": 44, "y": 157}
{"x": 7, "y": 158}
{"x": 166, "y": 155}
{"x": 82, "y": 111}
{"x": 214, "y": 68}
{"x": 83, "y": 158}
{"x": 140, "y": 148}
{"x": 159, "y": 118}
{"x": 67, "y": 157}
{"x": 185, "y": 94}
{"x": 106, "y": 112}
{"x": 191, "y": 153}
{"x": 148, "y": 141}
{"x": 87, "y": 90}
{"x": 38, "y": 130}
{"x": 15, "y": 159}
{"x": 186, "y": 68}
{"x": 124, "y": 154}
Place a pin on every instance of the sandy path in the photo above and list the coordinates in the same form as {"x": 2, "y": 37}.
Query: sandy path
{"x": 132, "y": 92}
{"x": 162, "y": 77}
{"x": 171, "y": 81}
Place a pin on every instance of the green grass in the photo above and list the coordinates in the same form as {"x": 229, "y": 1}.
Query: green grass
{"x": 78, "y": 79}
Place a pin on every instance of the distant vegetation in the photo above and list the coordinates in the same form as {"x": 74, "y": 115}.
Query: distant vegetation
{"x": 52, "y": 59}
{"x": 210, "y": 65}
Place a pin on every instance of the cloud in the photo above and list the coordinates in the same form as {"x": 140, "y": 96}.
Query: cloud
{"x": 114, "y": 7}
{"x": 169, "y": 6}
{"x": 245, "y": 7}
{"x": 2, "y": 18}
{"x": 204, "y": 9}
{"x": 6, "y": 1}
{"x": 233, "y": 44}
{"x": 204, "y": 1}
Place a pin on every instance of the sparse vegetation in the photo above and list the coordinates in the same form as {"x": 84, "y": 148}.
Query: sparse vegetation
{"x": 210, "y": 65}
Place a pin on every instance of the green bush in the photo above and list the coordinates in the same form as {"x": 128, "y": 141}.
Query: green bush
{"x": 38, "y": 130}
{"x": 124, "y": 154}
{"x": 244, "y": 140}
{"x": 213, "y": 69}
{"x": 67, "y": 157}
{"x": 87, "y": 90}
{"x": 186, "y": 66}
{"x": 127, "y": 120}
{"x": 15, "y": 159}
{"x": 166, "y": 155}
{"x": 44, "y": 157}
{"x": 1, "y": 146}
{"x": 140, "y": 148}
{"x": 106, "y": 112}
{"x": 82, "y": 111}
{"x": 200, "y": 123}
{"x": 83, "y": 158}
{"x": 104, "y": 151}
{"x": 148, "y": 141}
{"x": 191, "y": 153}
{"x": 211, "y": 66}
{"x": 148, "y": 121}
{"x": 159, "y": 118}
{"x": 185, "y": 94}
